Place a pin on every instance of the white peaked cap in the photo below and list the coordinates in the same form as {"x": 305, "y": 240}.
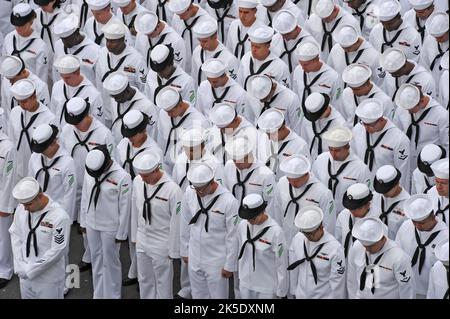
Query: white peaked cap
{"x": 247, "y": 4}
{"x": 444, "y": 61}
{"x": 42, "y": 133}
{"x": 114, "y": 30}
{"x": 146, "y": 22}
{"x": 306, "y": 51}
{"x": 440, "y": 168}
{"x": 261, "y": 34}
{"x": 370, "y": 110}
{"x": 22, "y": 9}
{"x": 338, "y": 136}
{"x": 284, "y": 21}
{"x": 121, "y": 3}
{"x": 214, "y": 68}
{"x": 356, "y": 74}
{"x": 388, "y": 9}
{"x": 295, "y": 166}
{"x": 76, "y": 106}
{"x": 267, "y": 3}
{"x": 386, "y": 174}
{"x": 167, "y": 98}
{"x": 200, "y": 174}
{"x": 193, "y": 137}
{"x": 159, "y": 53}
{"x": 132, "y": 119}
{"x": 10, "y": 66}
{"x": 368, "y": 230}
{"x": 146, "y": 162}
{"x": 116, "y": 83}
{"x": 97, "y": 4}
{"x": 239, "y": 147}
{"x": 222, "y": 115}
{"x": 205, "y": 28}
{"x": 95, "y": 159}
{"x": 179, "y": 6}
{"x": 408, "y": 96}
{"x": 66, "y": 25}
{"x": 392, "y": 60}
{"x": 309, "y": 218}
{"x": 314, "y": 102}
{"x": 441, "y": 252}
{"x": 437, "y": 24}
{"x": 271, "y": 120}
{"x": 252, "y": 200}
{"x": 420, "y": 4}
{"x": 347, "y": 36}
{"x": 67, "y": 64}
{"x": 430, "y": 153}
{"x": 324, "y": 8}
{"x": 259, "y": 86}
{"x": 358, "y": 191}
{"x": 26, "y": 190}
{"x": 418, "y": 207}
{"x": 23, "y": 89}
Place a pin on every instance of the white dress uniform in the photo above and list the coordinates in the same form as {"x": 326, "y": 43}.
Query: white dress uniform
{"x": 288, "y": 200}
{"x": 390, "y": 147}
{"x": 62, "y": 93}
{"x": 262, "y": 264}
{"x": 327, "y": 279}
{"x": 62, "y": 186}
{"x": 421, "y": 183}
{"x": 392, "y": 276}
{"x": 432, "y": 53}
{"x": 94, "y": 30}
{"x": 40, "y": 264}
{"x": 208, "y": 242}
{"x": 161, "y": 8}
{"x": 6, "y": 8}
{"x": 224, "y": 16}
{"x": 129, "y": 20}
{"x": 238, "y": 41}
{"x": 417, "y": 23}
{"x": 155, "y": 214}
{"x": 366, "y": 16}
{"x": 440, "y": 205}
{"x": 44, "y": 24}
{"x": 267, "y": 16}
{"x": 32, "y": 50}
{"x": 84, "y": 12}
{"x": 7, "y": 203}
{"x": 437, "y": 286}
{"x": 106, "y": 220}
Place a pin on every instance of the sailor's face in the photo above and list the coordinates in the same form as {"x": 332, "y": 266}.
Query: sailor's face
{"x": 71, "y": 79}
{"x": 25, "y": 29}
{"x": 260, "y": 50}
{"x": 115, "y": 46}
{"x": 32, "y": 206}
{"x": 354, "y": 4}
{"x": 152, "y": 177}
{"x": 424, "y": 13}
{"x": 442, "y": 186}
{"x": 247, "y": 16}
{"x": 102, "y": 15}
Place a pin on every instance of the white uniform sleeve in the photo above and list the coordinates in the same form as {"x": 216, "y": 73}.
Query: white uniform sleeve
{"x": 8, "y": 182}
{"x": 402, "y": 161}
{"x": 17, "y": 243}
{"x": 268, "y": 188}
{"x": 352, "y": 283}
{"x": 231, "y": 221}
{"x": 431, "y": 292}
{"x": 134, "y": 213}
{"x": 184, "y": 228}
{"x": 70, "y": 190}
{"x": 175, "y": 213}
{"x": 84, "y": 201}
{"x": 405, "y": 277}
{"x": 281, "y": 264}
{"x": 125, "y": 191}
{"x": 293, "y": 274}
{"x": 329, "y": 210}
{"x": 337, "y": 274}
{"x": 42, "y": 64}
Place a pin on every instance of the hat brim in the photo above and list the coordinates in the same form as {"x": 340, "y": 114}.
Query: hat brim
{"x": 383, "y": 188}
{"x": 41, "y": 147}
{"x": 158, "y": 67}
{"x": 250, "y": 213}
{"x": 352, "y": 204}
{"x": 127, "y": 132}
{"x": 76, "y": 119}
{"x": 20, "y": 21}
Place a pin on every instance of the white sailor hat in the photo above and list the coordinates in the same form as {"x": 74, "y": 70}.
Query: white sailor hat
{"x": 200, "y": 174}
{"x": 179, "y": 6}
{"x": 370, "y": 110}
{"x": 214, "y": 68}
{"x": 259, "y": 86}
{"x": 247, "y": 4}
{"x": 193, "y": 137}
{"x": 420, "y": 4}
{"x": 315, "y": 105}
{"x": 356, "y": 196}
{"x": 67, "y": 64}
{"x": 159, "y": 53}
{"x": 309, "y": 218}
{"x": 42, "y": 137}
{"x": 284, "y": 22}
{"x": 441, "y": 252}
{"x": 146, "y": 162}
{"x": 168, "y": 98}
{"x": 295, "y": 166}
{"x": 338, "y": 136}
{"x": 440, "y": 168}
{"x": 116, "y": 83}
{"x": 346, "y": 36}
{"x": 23, "y": 89}
{"x": 98, "y": 4}
{"x": 368, "y": 230}
{"x": 408, "y": 96}
{"x": 252, "y": 206}
{"x": 66, "y": 25}
{"x": 306, "y": 51}
{"x": 121, "y": 3}
{"x": 418, "y": 207}
{"x": 324, "y": 8}
{"x": 271, "y": 120}
{"x": 437, "y": 24}
{"x": 10, "y": 66}
{"x": 388, "y": 10}
{"x": 95, "y": 159}
{"x": 386, "y": 177}
{"x": 205, "y": 28}
{"x": 261, "y": 34}
{"x": 134, "y": 122}
{"x": 429, "y": 154}
{"x": 239, "y": 147}
{"x": 21, "y": 14}
{"x": 26, "y": 190}
{"x": 146, "y": 22}
{"x": 76, "y": 110}
{"x": 356, "y": 74}
{"x": 222, "y": 114}
{"x": 267, "y": 3}
{"x": 392, "y": 60}
{"x": 114, "y": 30}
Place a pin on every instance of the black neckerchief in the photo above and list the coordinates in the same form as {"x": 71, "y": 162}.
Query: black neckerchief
{"x": 45, "y": 169}
{"x": 309, "y": 259}
{"x": 32, "y": 234}
{"x": 251, "y": 241}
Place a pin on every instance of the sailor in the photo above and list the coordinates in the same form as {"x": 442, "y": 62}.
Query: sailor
{"x": 365, "y": 12}
{"x": 208, "y": 228}
{"x": 262, "y": 256}
{"x": 39, "y": 237}
{"x": 105, "y": 215}
{"x": 439, "y": 193}
{"x": 379, "y": 142}
{"x": 423, "y": 176}
{"x": 47, "y": 13}
{"x": 320, "y": 116}
{"x": 83, "y": 11}
{"x": 390, "y": 198}
{"x": 418, "y": 236}
{"x": 316, "y": 259}
{"x": 444, "y": 79}
{"x": 378, "y": 268}
{"x": 339, "y": 167}
{"x": 225, "y": 12}
{"x": 127, "y": 11}
{"x": 418, "y": 16}
{"x": 269, "y": 8}
{"x": 438, "y": 286}
{"x": 161, "y": 8}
